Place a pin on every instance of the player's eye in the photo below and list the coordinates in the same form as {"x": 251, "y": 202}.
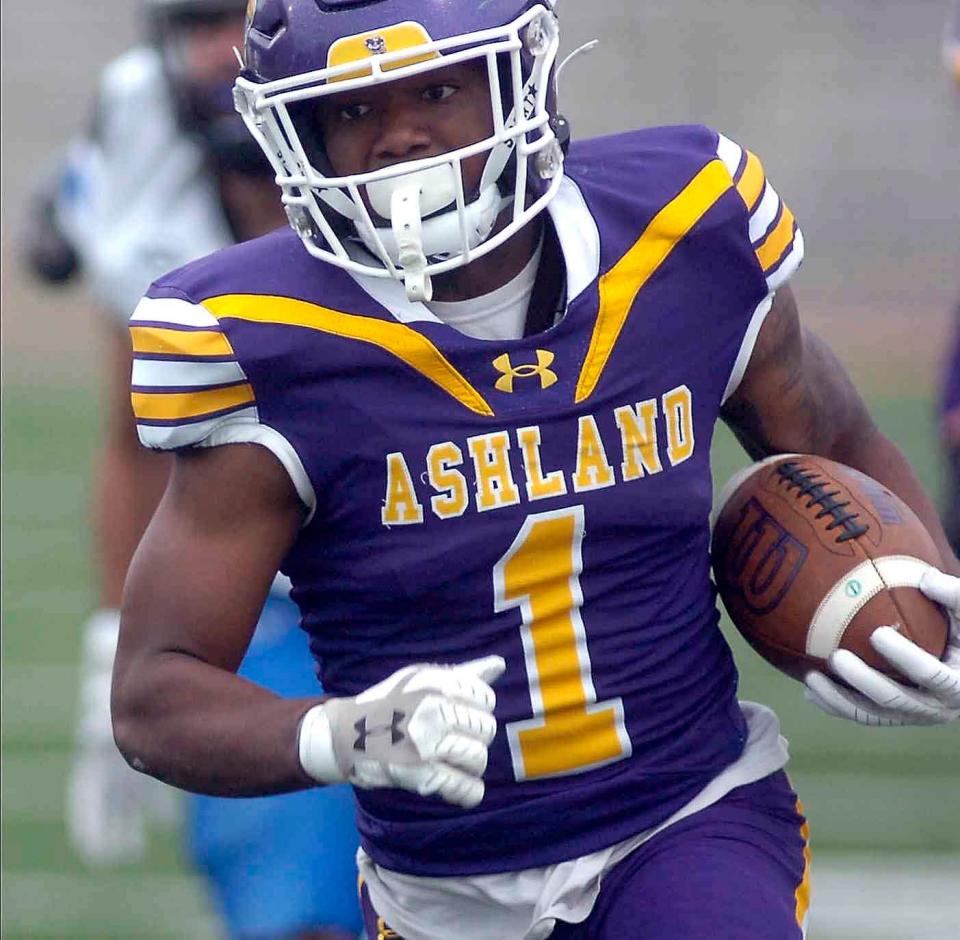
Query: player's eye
{"x": 352, "y": 112}
{"x": 438, "y": 92}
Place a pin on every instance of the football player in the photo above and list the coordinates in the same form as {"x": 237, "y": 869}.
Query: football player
{"x": 169, "y": 173}
{"x": 467, "y": 405}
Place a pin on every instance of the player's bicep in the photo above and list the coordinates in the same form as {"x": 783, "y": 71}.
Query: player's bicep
{"x": 795, "y": 395}
{"x": 206, "y": 562}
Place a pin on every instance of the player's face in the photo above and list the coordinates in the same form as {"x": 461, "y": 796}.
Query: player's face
{"x": 410, "y": 119}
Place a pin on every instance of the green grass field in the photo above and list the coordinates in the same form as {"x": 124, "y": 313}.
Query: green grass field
{"x": 882, "y": 794}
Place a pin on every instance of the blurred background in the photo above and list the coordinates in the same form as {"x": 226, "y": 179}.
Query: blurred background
{"x": 858, "y": 125}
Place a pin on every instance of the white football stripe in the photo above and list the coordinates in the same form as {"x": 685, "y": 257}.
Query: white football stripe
{"x": 746, "y": 347}
{"x": 730, "y": 153}
{"x": 172, "y": 310}
{"x": 841, "y": 605}
{"x": 167, "y": 374}
{"x": 738, "y": 478}
{"x": 170, "y": 437}
{"x": 789, "y": 266}
{"x": 764, "y": 214}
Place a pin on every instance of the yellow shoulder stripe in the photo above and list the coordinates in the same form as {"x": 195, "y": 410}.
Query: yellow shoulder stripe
{"x": 621, "y": 284}
{"x": 395, "y": 338}
{"x": 186, "y": 343}
{"x": 751, "y": 183}
{"x": 774, "y": 245}
{"x": 173, "y": 406}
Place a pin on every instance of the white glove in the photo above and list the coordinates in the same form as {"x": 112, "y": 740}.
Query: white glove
{"x": 425, "y": 729}
{"x": 880, "y": 700}
{"x": 108, "y": 803}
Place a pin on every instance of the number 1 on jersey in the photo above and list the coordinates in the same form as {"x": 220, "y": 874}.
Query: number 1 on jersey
{"x": 570, "y": 731}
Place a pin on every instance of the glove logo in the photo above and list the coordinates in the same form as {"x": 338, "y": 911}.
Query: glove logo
{"x": 363, "y": 732}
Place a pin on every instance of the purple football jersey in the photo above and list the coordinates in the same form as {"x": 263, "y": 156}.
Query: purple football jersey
{"x": 546, "y": 499}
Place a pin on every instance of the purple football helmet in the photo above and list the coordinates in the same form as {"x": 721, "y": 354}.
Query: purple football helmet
{"x": 424, "y": 221}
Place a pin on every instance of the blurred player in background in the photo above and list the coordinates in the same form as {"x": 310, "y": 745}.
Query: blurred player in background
{"x": 481, "y": 377}
{"x": 950, "y": 436}
{"x": 951, "y": 42}
{"x": 169, "y": 173}
{"x": 950, "y": 397}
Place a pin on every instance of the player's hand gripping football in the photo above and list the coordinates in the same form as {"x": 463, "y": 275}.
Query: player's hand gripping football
{"x": 425, "y": 729}
{"x": 880, "y": 700}
{"x": 108, "y": 803}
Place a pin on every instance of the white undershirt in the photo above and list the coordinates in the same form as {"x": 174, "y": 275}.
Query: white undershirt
{"x": 501, "y": 314}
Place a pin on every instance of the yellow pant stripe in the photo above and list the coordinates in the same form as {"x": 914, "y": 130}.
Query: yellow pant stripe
{"x": 395, "y": 338}
{"x": 802, "y": 894}
{"x": 621, "y": 284}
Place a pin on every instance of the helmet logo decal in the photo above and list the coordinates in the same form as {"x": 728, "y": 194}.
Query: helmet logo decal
{"x": 390, "y": 39}
{"x": 509, "y": 372}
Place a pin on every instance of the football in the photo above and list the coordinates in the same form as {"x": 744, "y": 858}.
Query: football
{"x": 810, "y": 556}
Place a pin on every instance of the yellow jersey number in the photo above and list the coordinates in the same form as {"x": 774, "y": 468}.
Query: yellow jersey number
{"x": 570, "y": 731}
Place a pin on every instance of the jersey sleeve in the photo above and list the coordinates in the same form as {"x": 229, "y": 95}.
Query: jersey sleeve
{"x": 774, "y": 235}
{"x": 189, "y": 389}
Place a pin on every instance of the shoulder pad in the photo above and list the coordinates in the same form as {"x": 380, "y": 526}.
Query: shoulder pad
{"x": 186, "y": 377}
{"x": 773, "y": 231}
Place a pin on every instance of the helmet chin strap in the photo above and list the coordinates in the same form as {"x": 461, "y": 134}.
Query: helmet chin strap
{"x": 412, "y": 239}
{"x": 407, "y": 228}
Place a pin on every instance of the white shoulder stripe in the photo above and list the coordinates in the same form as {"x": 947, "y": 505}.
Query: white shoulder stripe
{"x": 789, "y": 265}
{"x": 764, "y": 214}
{"x": 188, "y": 374}
{"x": 174, "y": 311}
{"x": 850, "y": 595}
{"x": 730, "y": 153}
{"x": 170, "y": 437}
{"x": 746, "y": 347}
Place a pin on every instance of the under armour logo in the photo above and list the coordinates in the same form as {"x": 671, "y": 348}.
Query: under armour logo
{"x": 511, "y": 372}
{"x": 376, "y": 44}
{"x": 363, "y": 732}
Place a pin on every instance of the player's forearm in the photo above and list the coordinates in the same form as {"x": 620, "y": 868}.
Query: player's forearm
{"x": 206, "y": 730}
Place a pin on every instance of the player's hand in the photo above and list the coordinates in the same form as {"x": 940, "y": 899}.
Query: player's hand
{"x": 880, "y": 700}
{"x": 108, "y": 803}
{"x": 425, "y": 729}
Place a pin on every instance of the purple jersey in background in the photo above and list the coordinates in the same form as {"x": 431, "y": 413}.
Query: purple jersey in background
{"x": 950, "y": 397}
